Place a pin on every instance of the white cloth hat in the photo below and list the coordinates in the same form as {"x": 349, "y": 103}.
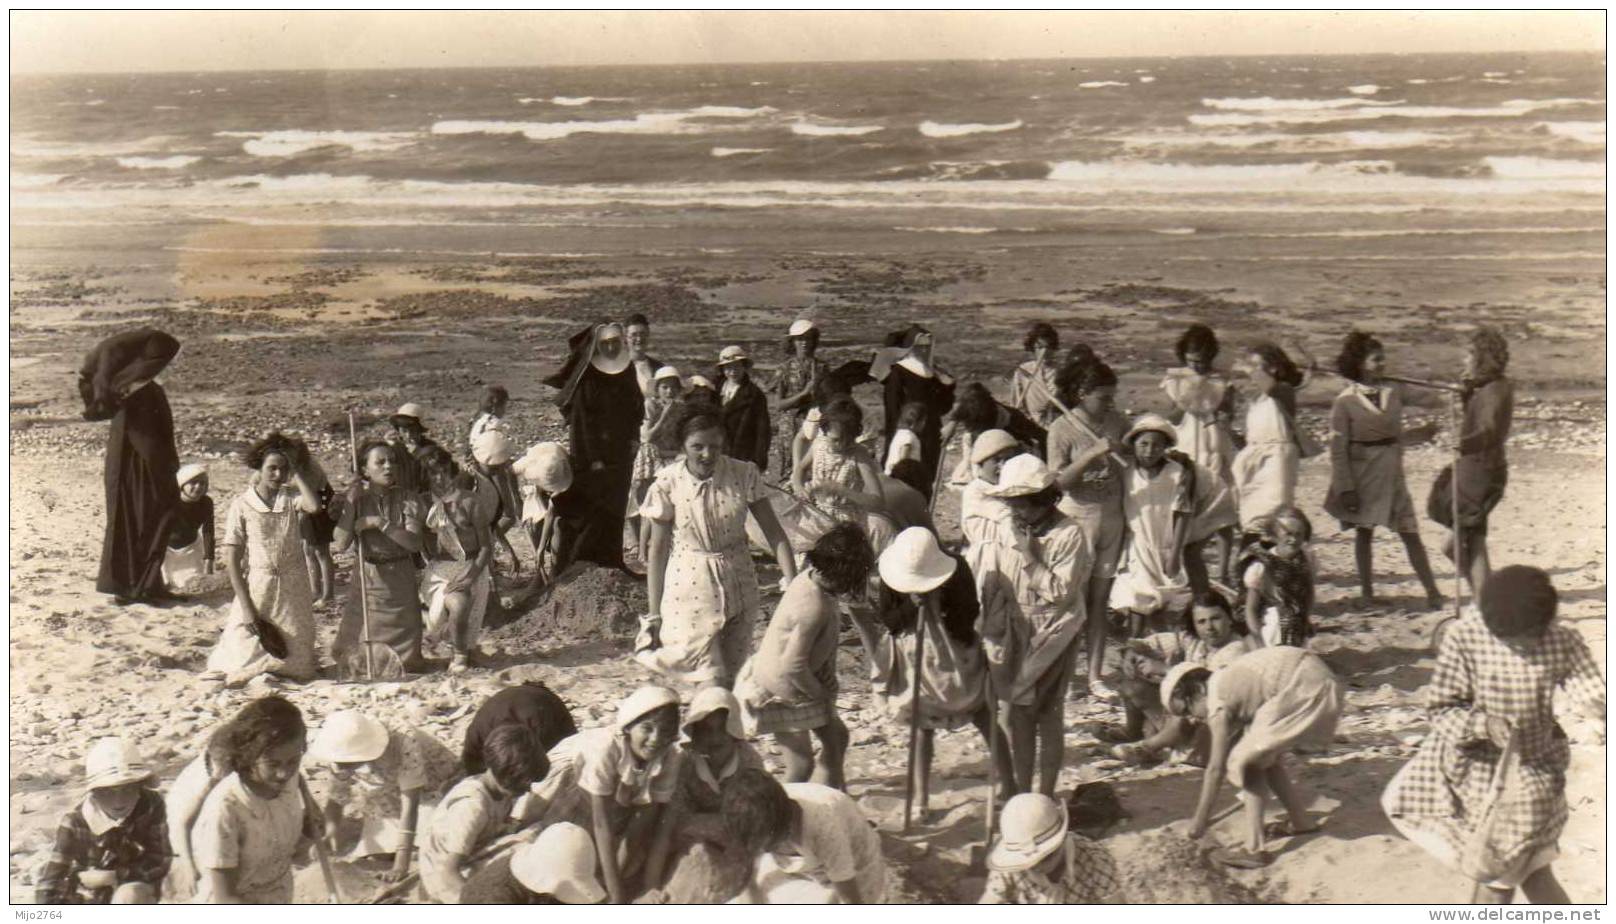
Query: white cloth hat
{"x": 545, "y": 465}
{"x": 990, "y": 443}
{"x": 913, "y": 563}
{"x": 349, "y": 737}
{"x": 1025, "y": 474}
{"x": 666, "y": 372}
{"x": 732, "y": 354}
{"x": 493, "y": 447}
{"x": 709, "y": 700}
{"x": 560, "y": 862}
{"x": 1031, "y": 827}
{"x": 1147, "y": 423}
{"x": 642, "y": 702}
{"x": 800, "y": 327}
{"x": 408, "y": 409}
{"x": 700, "y": 381}
{"x": 1176, "y": 675}
{"x": 190, "y": 472}
{"x": 114, "y": 762}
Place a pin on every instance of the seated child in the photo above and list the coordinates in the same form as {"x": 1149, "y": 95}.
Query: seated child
{"x": 477, "y": 809}
{"x": 112, "y": 848}
{"x": 556, "y": 869}
{"x": 1210, "y": 636}
{"x": 1036, "y": 861}
{"x": 1277, "y": 571}
{"x": 190, "y": 542}
{"x": 381, "y": 773}
{"x": 806, "y": 843}
{"x": 617, "y": 782}
{"x": 255, "y": 821}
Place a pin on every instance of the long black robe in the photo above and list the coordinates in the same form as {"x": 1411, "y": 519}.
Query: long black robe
{"x": 746, "y": 426}
{"x": 903, "y": 386}
{"x": 142, "y": 498}
{"x": 603, "y": 417}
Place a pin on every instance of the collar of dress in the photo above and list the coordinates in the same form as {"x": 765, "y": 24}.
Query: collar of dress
{"x": 256, "y": 501}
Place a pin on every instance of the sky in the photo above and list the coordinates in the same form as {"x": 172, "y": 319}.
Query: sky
{"x": 125, "y": 41}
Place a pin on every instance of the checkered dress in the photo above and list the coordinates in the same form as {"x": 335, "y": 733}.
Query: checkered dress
{"x": 1089, "y": 877}
{"x": 1445, "y": 787}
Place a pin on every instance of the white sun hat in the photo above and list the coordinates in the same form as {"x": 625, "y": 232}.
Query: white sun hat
{"x": 1175, "y": 676}
{"x": 349, "y": 737}
{"x": 114, "y": 762}
{"x": 642, "y": 702}
{"x": 990, "y": 443}
{"x": 190, "y": 472}
{"x": 1031, "y": 827}
{"x": 545, "y": 465}
{"x": 1025, "y": 474}
{"x": 709, "y": 700}
{"x": 493, "y": 447}
{"x": 733, "y": 354}
{"x": 666, "y": 372}
{"x": 1148, "y": 423}
{"x": 914, "y": 564}
{"x": 700, "y": 381}
{"x": 560, "y": 862}
{"x": 408, "y": 409}
{"x": 800, "y": 327}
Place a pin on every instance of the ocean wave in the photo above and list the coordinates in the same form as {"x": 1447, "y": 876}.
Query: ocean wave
{"x": 573, "y": 100}
{"x": 946, "y": 130}
{"x": 293, "y": 141}
{"x": 1510, "y": 175}
{"x": 1418, "y": 232}
{"x": 176, "y": 162}
{"x": 736, "y": 152}
{"x": 165, "y": 108}
{"x": 1364, "y": 89}
{"x": 947, "y": 229}
{"x": 645, "y": 123}
{"x": 1539, "y": 168}
{"x": 815, "y": 130}
{"x": 35, "y": 180}
{"x": 1097, "y": 84}
{"x": 1173, "y": 232}
{"x": 1585, "y": 132}
{"x": 728, "y": 112}
{"x": 1334, "y": 141}
{"x": 33, "y": 146}
{"x": 1507, "y": 109}
{"x": 1271, "y": 104}
{"x": 1147, "y": 79}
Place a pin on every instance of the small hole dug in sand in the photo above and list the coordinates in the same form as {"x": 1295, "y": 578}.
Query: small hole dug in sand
{"x": 587, "y": 602}
{"x": 1160, "y": 867}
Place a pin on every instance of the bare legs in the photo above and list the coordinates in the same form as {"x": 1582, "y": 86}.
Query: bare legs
{"x": 1422, "y": 567}
{"x": 322, "y": 574}
{"x": 1226, "y": 550}
{"x": 1363, "y": 551}
{"x": 799, "y": 754}
{"x": 1099, "y": 623}
{"x": 1541, "y": 888}
{"x": 1037, "y": 742}
{"x": 1254, "y": 795}
{"x": 1474, "y": 563}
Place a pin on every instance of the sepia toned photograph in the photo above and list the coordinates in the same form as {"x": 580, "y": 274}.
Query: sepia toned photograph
{"x": 808, "y": 457}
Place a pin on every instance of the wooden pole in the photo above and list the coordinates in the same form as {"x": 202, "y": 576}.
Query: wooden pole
{"x": 914, "y": 711}
{"x": 993, "y": 753}
{"x": 1458, "y": 533}
{"x": 359, "y": 557}
{"x": 320, "y": 850}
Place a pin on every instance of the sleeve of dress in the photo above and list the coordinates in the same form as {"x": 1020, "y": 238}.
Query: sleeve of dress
{"x": 235, "y": 522}
{"x": 1068, "y": 566}
{"x": 458, "y": 826}
{"x": 1253, "y": 578}
{"x": 412, "y": 515}
{"x": 1486, "y": 420}
{"x": 1450, "y": 696}
{"x": 216, "y": 835}
{"x": 597, "y": 768}
{"x": 752, "y": 485}
{"x": 833, "y": 844}
{"x": 55, "y": 885}
{"x": 1340, "y": 448}
{"x": 658, "y": 503}
{"x": 1583, "y": 682}
{"x": 411, "y": 762}
{"x": 155, "y": 857}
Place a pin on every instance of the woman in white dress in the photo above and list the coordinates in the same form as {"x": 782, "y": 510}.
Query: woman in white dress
{"x": 1265, "y": 470}
{"x": 1205, "y": 403}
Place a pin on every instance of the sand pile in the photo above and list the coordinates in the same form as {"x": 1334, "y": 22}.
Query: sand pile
{"x": 586, "y": 603}
{"x": 1159, "y": 866}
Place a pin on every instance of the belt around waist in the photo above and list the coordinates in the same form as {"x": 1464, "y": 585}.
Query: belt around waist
{"x": 709, "y": 553}
{"x": 1389, "y": 441}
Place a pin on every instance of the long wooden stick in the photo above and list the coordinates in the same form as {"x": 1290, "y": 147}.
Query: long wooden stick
{"x": 359, "y": 557}
{"x": 1458, "y": 533}
{"x": 914, "y": 711}
{"x": 993, "y": 753}
{"x": 320, "y": 851}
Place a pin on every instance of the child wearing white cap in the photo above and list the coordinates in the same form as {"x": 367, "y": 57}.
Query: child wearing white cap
{"x": 112, "y": 848}
{"x": 1037, "y": 861}
{"x": 982, "y": 516}
{"x": 794, "y": 384}
{"x": 746, "y": 410}
{"x": 190, "y": 542}
{"x": 659, "y": 445}
{"x": 558, "y": 868}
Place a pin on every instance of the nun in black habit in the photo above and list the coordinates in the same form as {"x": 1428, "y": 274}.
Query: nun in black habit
{"x": 117, "y": 384}
{"x": 907, "y": 374}
{"x": 600, "y": 398}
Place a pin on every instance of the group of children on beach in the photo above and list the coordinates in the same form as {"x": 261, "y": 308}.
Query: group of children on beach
{"x": 1070, "y": 513}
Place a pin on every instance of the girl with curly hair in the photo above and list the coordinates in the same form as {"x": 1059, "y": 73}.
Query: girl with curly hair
{"x": 1033, "y": 382}
{"x": 388, "y": 517}
{"x": 1367, "y": 488}
{"x": 1487, "y": 404}
{"x": 263, "y": 543}
{"x": 1204, "y": 400}
{"x": 1265, "y": 471}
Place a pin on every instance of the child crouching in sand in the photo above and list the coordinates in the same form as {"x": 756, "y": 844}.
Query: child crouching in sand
{"x": 112, "y": 848}
{"x": 806, "y": 843}
{"x": 1037, "y": 861}
{"x": 190, "y": 543}
{"x": 477, "y": 809}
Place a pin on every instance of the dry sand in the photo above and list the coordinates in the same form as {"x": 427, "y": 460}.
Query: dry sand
{"x": 277, "y": 344}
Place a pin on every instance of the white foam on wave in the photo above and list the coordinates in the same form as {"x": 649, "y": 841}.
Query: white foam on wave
{"x": 1272, "y": 104}
{"x": 1544, "y": 168}
{"x": 815, "y": 130}
{"x": 293, "y": 141}
{"x": 1333, "y": 141}
{"x": 34, "y": 146}
{"x": 176, "y": 162}
{"x": 1419, "y": 232}
{"x": 1509, "y": 175}
{"x": 1097, "y": 84}
{"x": 1364, "y": 89}
{"x": 573, "y": 100}
{"x": 1375, "y": 110}
{"x": 728, "y": 112}
{"x": 164, "y": 108}
{"x": 35, "y": 180}
{"x": 736, "y": 152}
{"x": 1173, "y": 232}
{"x": 946, "y": 229}
{"x": 1147, "y": 79}
{"x": 1585, "y": 132}
{"x": 946, "y": 130}
{"x": 645, "y": 123}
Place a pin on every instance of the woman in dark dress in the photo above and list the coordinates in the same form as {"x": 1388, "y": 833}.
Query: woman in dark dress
{"x": 116, "y": 383}
{"x": 747, "y": 429}
{"x": 1488, "y": 403}
{"x": 600, "y": 398}
{"x": 913, "y": 377}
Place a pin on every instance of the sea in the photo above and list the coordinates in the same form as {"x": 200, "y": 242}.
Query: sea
{"x": 1478, "y": 155}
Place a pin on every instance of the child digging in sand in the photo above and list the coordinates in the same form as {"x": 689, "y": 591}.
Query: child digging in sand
{"x": 788, "y": 687}
{"x": 255, "y": 821}
{"x": 1037, "y": 861}
{"x": 558, "y": 868}
{"x": 190, "y": 543}
{"x": 1259, "y": 707}
{"x": 263, "y": 543}
{"x": 477, "y": 809}
{"x": 1491, "y": 706}
{"x": 806, "y": 843}
{"x": 112, "y": 848}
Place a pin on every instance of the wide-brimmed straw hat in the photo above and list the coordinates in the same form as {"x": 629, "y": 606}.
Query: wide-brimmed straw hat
{"x": 990, "y": 443}
{"x": 914, "y": 564}
{"x": 666, "y": 372}
{"x": 1147, "y": 423}
{"x": 409, "y": 411}
{"x": 560, "y": 862}
{"x": 1031, "y": 827}
{"x": 709, "y": 700}
{"x": 1023, "y": 475}
{"x": 493, "y": 447}
{"x": 349, "y": 737}
{"x": 733, "y": 354}
{"x": 190, "y": 472}
{"x": 801, "y": 327}
{"x": 1175, "y": 676}
{"x": 643, "y": 702}
{"x": 114, "y": 762}
{"x": 545, "y": 465}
